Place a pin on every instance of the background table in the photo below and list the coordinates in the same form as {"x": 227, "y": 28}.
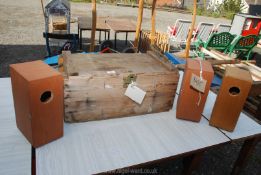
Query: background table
{"x": 121, "y": 25}
{"x": 85, "y": 23}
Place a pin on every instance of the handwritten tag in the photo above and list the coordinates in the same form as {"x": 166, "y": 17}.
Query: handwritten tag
{"x": 135, "y": 93}
{"x": 197, "y": 83}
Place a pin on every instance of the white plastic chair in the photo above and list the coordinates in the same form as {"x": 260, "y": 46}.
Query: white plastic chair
{"x": 203, "y": 31}
{"x": 223, "y": 28}
{"x": 179, "y": 32}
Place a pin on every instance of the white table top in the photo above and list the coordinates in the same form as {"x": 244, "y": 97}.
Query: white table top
{"x": 15, "y": 151}
{"x": 100, "y": 146}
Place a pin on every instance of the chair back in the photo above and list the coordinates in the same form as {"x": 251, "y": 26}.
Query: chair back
{"x": 246, "y": 42}
{"x": 181, "y": 28}
{"x": 203, "y": 31}
{"x": 223, "y": 28}
{"x": 220, "y": 41}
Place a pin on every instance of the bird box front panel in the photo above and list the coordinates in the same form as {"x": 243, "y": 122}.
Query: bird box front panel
{"x": 194, "y": 92}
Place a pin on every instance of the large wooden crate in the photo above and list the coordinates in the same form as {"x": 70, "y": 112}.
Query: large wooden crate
{"x": 95, "y": 85}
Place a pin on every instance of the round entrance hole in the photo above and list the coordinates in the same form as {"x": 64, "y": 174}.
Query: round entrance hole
{"x": 46, "y": 97}
{"x": 234, "y": 91}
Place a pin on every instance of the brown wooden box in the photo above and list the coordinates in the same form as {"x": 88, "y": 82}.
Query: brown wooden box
{"x": 187, "y": 105}
{"x": 231, "y": 98}
{"x": 38, "y": 101}
{"x": 95, "y": 85}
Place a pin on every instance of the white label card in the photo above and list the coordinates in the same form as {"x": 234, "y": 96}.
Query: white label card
{"x": 135, "y": 93}
{"x": 197, "y": 83}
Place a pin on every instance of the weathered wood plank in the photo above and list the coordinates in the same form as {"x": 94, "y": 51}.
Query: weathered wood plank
{"x": 95, "y": 85}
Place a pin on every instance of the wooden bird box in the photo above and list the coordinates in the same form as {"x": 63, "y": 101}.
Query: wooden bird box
{"x": 231, "y": 98}
{"x": 95, "y": 85}
{"x": 38, "y": 101}
{"x": 194, "y": 91}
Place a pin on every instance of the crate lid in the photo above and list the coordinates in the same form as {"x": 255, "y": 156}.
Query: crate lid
{"x": 101, "y": 64}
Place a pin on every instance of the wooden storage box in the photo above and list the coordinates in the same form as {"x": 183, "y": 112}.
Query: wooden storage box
{"x": 231, "y": 98}
{"x": 95, "y": 85}
{"x": 38, "y": 101}
{"x": 191, "y": 102}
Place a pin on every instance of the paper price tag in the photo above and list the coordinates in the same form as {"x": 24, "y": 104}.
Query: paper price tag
{"x": 135, "y": 93}
{"x": 197, "y": 83}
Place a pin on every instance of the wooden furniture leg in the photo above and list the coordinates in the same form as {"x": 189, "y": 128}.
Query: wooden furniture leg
{"x": 191, "y": 162}
{"x": 245, "y": 152}
{"x": 258, "y": 112}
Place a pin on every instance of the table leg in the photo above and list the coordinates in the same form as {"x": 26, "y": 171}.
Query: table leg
{"x": 78, "y": 34}
{"x": 191, "y": 162}
{"x": 99, "y": 37}
{"x": 105, "y": 34}
{"x": 245, "y": 152}
{"x": 115, "y": 39}
{"x": 258, "y": 112}
{"x": 126, "y": 41}
{"x": 109, "y": 33}
{"x": 33, "y": 162}
{"x": 80, "y": 39}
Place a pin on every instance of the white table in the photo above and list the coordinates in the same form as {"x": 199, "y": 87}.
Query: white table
{"x": 100, "y": 146}
{"x": 15, "y": 151}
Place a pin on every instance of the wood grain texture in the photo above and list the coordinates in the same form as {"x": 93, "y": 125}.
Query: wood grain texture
{"x": 85, "y": 23}
{"x": 121, "y": 25}
{"x": 229, "y": 102}
{"x": 138, "y": 26}
{"x": 15, "y": 150}
{"x": 191, "y": 99}
{"x": 90, "y": 93}
{"x": 38, "y": 101}
{"x": 94, "y": 19}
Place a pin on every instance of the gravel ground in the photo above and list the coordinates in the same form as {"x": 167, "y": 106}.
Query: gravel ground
{"x": 21, "y": 27}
